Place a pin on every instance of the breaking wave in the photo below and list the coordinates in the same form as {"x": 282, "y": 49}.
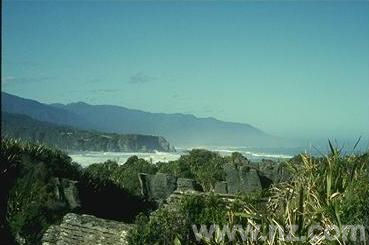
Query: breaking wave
{"x": 88, "y": 157}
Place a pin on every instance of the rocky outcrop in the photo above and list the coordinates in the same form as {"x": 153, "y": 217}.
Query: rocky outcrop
{"x": 66, "y": 191}
{"x": 157, "y": 187}
{"x": 221, "y": 187}
{"x": 274, "y": 172}
{"x": 65, "y": 195}
{"x": 184, "y": 184}
{"x": 178, "y": 195}
{"x": 244, "y": 177}
{"x": 240, "y": 177}
{"x": 85, "y": 230}
{"x": 241, "y": 180}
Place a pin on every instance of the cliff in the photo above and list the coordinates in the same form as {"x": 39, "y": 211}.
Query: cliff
{"x": 72, "y": 139}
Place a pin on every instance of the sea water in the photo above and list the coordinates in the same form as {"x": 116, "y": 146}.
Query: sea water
{"x": 255, "y": 154}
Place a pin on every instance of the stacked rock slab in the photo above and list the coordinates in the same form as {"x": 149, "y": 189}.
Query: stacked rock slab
{"x": 240, "y": 179}
{"x": 274, "y": 172}
{"x": 85, "y": 230}
{"x": 157, "y": 187}
{"x": 177, "y": 196}
{"x": 184, "y": 184}
{"x": 66, "y": 191}
{"x": 221, "y": 187}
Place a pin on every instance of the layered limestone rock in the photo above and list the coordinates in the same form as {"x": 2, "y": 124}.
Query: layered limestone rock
{"x": 241, "y": 180}
{"x": 157, "y": 187}
{"x": 66, "y": 192}
{"x": 246, "y": 176}
{"x": 65, "y": 195}
{"x": 241, "y": 176}
{"x": 221, "y": 187}
{"x": 85, "y": 230}
{"x": 184, "y": 184}
{"x": 274, "y": 172}
{"x": 173, "y": 199}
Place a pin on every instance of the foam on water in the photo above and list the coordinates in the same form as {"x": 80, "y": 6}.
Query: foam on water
{"x": 255, "y": 155}
{"x": 88, "y": 158}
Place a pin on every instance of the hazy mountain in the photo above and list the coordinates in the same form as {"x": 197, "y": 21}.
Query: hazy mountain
{"x": 68, "y": 138}
{"x": 179, "y": 129}
{"x": 34, "y": 109}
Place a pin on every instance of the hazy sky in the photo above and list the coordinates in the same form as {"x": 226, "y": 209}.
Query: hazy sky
{"x": 289, "y": 68}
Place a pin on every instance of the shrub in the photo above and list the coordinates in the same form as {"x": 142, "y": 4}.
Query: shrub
{"x": 26, "y": 171}
{"x": 174, "y": 223}
{"x": 104, "y": 198}
{"x": 330, "y": 190}
{"x": 204, "y": 166}
{"x": 28, "y": 202}
{"x": 125, "y": 176}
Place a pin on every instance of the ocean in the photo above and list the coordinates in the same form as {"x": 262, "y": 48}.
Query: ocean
{"x": 254, "y": 154}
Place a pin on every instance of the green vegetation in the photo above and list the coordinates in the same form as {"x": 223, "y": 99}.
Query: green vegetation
{"x": 126, "y": 175}
{"x": 167, "y": 225}
{"x": 30, "y": 197}
{"x": 26, "y": 199}
{"x": 173, "y": 225}
{"x": 330, "y": 190}
{"x": 204, "y": 166}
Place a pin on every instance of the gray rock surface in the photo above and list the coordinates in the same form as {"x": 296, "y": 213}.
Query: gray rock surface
{"x": 232, "y": 178}
{"x": 66, "y": 193}
{"x": 238, "y": 159}
{"x": 184, "y": 184}
{"x": 221, "y": 187}
{"x": 240, "y": 177}
{"x": 157, "y": 187}
{"x": 273, "y": 171}
{"x": 250, "y": 180}
{"x": 242, "y": 180}
{"x": 85, "y": 230}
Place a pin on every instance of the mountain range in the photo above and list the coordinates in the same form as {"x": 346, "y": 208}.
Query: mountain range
{"x": 179, "y": 129}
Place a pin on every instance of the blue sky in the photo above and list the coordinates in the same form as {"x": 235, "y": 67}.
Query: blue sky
{"x": 294, "y": 69}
